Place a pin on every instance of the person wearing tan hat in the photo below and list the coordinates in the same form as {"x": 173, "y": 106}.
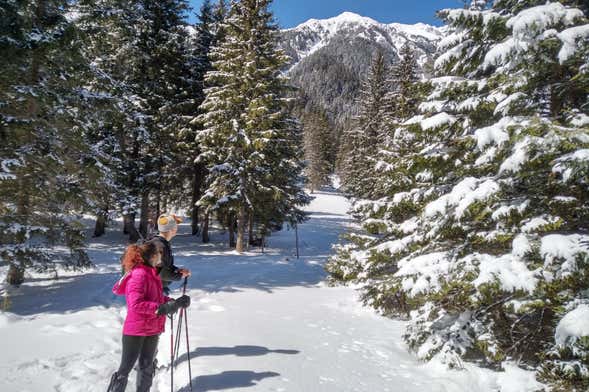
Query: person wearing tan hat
{"x": 167, "y": 225}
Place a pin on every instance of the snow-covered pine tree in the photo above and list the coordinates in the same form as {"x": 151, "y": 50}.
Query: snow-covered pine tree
{"x": 110, "y": 111}
{"x": 395, "y": 161}
{"x": 146, "y": 56}
{"x": 361, "y": 141}
{"x": 165, "y": 86}
{"x": 399, "y": 170}
{"x": 493, "y": 266}
{"x": 404, "y": 85}
{"x": 113, "y": 28}
{"x": 220, "y": 13}
{"x": 249, "y": 143}
{"x": 42, "y": 133}
{"x": 319, "y": 143}
{"x": 201, "y": 43}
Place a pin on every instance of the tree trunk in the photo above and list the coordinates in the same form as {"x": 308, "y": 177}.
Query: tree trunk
{"x": 194, "y": 218}
{"x": 159, "y": 189}
{"x": 129, "y": 222}
{"x": 164, "y": 205}
{"x": 144, "y": 219}
{"x": 22, "y": 205}
{"x": 196, "y": 185}
{"x": 231, "y": 227}
{"x": 250, "y": 229}
{"x": 158, "y": 203}
{"x": 297, "y": 239}
{"x": 15, "y": 275}
{"x": 101, "y": 220}
{"x": 241, "y": 228}
{"x": 205, "y": 229}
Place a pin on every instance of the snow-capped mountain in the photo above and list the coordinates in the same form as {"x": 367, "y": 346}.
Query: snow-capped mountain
{"x": 311, "y": 36}
{"x": 329, "y": 57}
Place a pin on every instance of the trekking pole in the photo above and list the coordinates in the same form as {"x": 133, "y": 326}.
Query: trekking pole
{"x": 181, "y": 317}
{"x": 187, "y": 340}
{"x": 172, "y": 353}
{"x": 178, "y": 335}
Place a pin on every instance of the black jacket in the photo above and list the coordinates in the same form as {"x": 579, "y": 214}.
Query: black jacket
{"x": 168, "y": 271}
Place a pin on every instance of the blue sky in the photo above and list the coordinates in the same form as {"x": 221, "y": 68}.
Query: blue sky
{"x": 290, "y": 13}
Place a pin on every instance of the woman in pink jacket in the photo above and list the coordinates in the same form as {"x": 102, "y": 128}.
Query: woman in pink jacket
{"x": 146, "y": 314}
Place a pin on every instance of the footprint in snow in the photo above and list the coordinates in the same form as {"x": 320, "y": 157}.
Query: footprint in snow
{"x": 323, "y": 379}
{"x": 52, "y": 329}
{"x": 216, "y": 308}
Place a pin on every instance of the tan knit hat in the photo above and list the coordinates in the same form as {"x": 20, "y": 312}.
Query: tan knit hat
{"x": 167, "y": 222}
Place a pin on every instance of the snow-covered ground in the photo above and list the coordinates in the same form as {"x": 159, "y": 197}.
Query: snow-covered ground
{"x": 258, "y": 322}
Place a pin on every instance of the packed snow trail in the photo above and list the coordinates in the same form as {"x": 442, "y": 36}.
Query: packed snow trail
{"x": 258, "y": 322}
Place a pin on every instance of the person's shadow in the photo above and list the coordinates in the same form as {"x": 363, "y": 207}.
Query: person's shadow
{"x": 227, "y": 380}
{"x": 234, "y": 378}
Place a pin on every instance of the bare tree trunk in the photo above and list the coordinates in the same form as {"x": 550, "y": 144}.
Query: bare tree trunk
{"x": 205, "y": 229}
{"x": 130, "y": 229}
{"x": 231, "y": 227}
{"x": 144, "y": 218}
{"x": 15, "y": 275}
{"x": 101, "y": 220}
{"x": 297, "y": 239}
{"x": 241, "y": 228}
{"x": 196, "y": 185}
{"x": 22, "y": 205}
{"x": 128, "y": 219}
{"x": 158, "y": 202}
{"x": 164, "y": 205}
{"x": 250, "y": 229}
{"x": 158, "y": 207}
{"x": 194, "y": 219}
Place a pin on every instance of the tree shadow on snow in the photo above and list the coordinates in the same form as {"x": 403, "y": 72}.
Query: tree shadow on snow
{"x": 64, "y": 295}
{"x": 228, "y": 380}
{"x": 239, "y": 351}
{"x": 230, "y": 273}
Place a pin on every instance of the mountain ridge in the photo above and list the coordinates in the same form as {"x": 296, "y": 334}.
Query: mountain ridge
{"x": 330, "y": 57}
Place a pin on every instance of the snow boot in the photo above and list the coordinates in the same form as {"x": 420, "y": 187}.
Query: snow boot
{"x": 145, "y": 377}
{"x": 118, "y": 383}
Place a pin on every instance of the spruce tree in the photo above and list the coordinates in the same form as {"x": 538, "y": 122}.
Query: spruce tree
{"x": 249, "y": 143}
{"x": 398, "y": 172}
{"x": 359, "y": 159}
{"x": 148, "y": 60}
{"x": 404, "y": 86}
{"x": 204, "y": 38}
{"x": 42, "y": 132}
{"x": 319, "y": 143}
{"x": 480, "y": 265}
{"x": 104, "y": 25}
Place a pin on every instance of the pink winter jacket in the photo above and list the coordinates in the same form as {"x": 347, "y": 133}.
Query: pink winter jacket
{"x": 142, "y": 288}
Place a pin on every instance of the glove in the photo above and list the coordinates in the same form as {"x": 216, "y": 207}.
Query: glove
{"x": 172, "y": 306}
{"x": 169, "y": 307}
{"x": 183, "y": 301}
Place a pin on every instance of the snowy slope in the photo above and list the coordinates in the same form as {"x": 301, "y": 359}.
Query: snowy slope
{"x": 259, "y": 322}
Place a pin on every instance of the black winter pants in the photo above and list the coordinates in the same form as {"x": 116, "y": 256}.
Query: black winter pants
{"x": 142, "y": 347}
